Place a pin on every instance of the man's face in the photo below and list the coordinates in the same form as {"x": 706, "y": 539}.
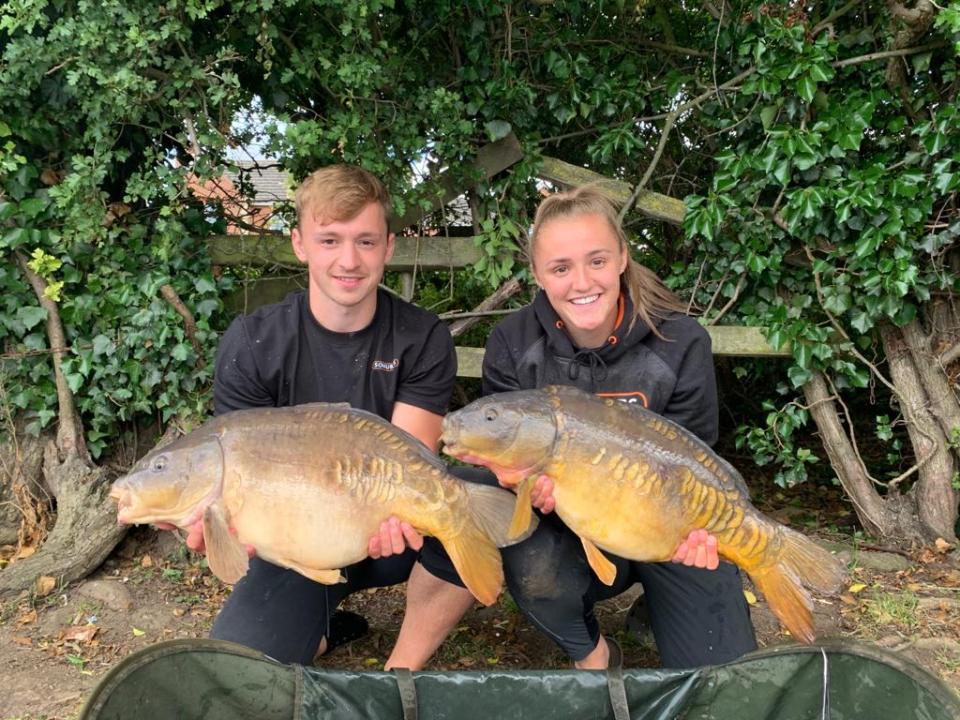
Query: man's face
{"x": 345, "y": 260}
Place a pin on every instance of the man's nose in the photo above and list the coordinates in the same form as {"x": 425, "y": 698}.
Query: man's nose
{"x": 349, "y": 257}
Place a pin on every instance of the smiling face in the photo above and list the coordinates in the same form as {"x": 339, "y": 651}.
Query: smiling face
{"x": 578, "y": 260}
{"x": 345, "y": 260}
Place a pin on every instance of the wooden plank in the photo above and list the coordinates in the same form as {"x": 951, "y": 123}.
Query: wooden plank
{"x": 262, "y": 291}
{"x": 433, "y": 252}
{"x": 490, "y": 160}
{"x": 728, "y": 340}
{"x": 652, "y": 204}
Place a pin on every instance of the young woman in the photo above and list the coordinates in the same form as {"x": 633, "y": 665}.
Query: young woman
{"x": 606, "y": 324}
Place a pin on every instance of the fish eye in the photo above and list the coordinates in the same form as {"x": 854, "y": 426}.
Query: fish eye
{"x": 160, "y": 463}
{"x": 491, "y": 414}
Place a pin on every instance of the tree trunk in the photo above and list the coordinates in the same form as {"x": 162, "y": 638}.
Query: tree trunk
{"x": 935, "y": 497}
{"x": 848, "y": 465}
{"x": 85, "y": 531}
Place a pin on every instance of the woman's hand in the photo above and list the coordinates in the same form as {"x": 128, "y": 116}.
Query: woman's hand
{"x": 541, "y": 497}
{"x": 698, "y": 550}
{"x": 195, "y": 537}
{"x": 394, "y": 538}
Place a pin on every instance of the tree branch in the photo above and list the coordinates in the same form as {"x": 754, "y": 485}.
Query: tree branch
{"x": 189, "y": 324}
{"x": 485, "y": 308}
{"x": 70, "y": 440}
{"x": 885, "y": 54}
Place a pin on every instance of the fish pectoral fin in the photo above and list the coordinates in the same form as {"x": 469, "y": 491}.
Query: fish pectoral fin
{"x": 226, "y": 556}
{"x": 604, "y": 569}
{"x": 522, "y": 514}
{"x": 324, "y": 577}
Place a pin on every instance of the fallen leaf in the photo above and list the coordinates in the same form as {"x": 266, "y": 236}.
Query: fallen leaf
{"x": 28, "y": 617}
{"x": 26, "y": 551}
{"x": 146, "y": 561}
{"x": 137, "y": 632}
{"x": 45, "y": 585}
{"x": 914, "y": 587}
{"x": 22, "y": 641}
{"x": 856, "y": 587}
{"x": 80, "y": 633}
{"x": 943, "y": 546}
{"x": 751, "y": 598}
{"x": 848, "y": 599}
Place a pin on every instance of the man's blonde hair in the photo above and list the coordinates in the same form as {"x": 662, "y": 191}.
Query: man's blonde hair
{"x": 340, "y": 192}
{"x": 652, "y": 300}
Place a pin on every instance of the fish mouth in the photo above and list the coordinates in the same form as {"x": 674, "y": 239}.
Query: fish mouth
{"x": 124, "y": 500}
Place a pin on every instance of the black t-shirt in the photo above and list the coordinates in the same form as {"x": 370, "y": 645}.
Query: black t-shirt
{"x": 280, "y": 356}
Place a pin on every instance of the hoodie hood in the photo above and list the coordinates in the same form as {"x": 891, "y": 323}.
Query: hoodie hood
{"x": 591, "y": 360}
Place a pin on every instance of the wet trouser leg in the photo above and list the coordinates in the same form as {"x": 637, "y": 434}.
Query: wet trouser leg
{"x": 549, "y": 578}
{"x": 698, "y": 617}
{"x": 284, "y": 615}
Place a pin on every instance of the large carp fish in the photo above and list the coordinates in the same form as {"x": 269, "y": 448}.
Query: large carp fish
{"x": 307, "y": 486}
{"x": 634, "y": 484}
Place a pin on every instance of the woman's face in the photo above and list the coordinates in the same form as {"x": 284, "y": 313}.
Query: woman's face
{"x": 577, "y": 261}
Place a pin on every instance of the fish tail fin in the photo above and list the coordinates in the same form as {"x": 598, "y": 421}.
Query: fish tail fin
{"x": 492, "y": 509}
{"x": 801, "y": 562}
{"x": 473, "y": 550}
{"x": 478, "y": 563}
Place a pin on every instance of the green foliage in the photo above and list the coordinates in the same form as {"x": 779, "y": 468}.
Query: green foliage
{"x": 820, "y": 192}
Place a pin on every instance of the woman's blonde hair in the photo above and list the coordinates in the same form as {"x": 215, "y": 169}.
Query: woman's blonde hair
{"x": 652, "y": 300}
{"x": 339, "y": 192}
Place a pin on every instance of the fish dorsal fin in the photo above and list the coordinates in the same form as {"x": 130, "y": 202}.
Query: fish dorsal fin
{"x": 727, "y": 477}
{"x": 417, "y": 447}
{"x": 601, "y": 565}
{"x": 226, "y": 555}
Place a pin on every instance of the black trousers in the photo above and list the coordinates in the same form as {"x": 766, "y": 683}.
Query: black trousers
{"x": 698, "y": 617}
{"x": 285, "y": 615}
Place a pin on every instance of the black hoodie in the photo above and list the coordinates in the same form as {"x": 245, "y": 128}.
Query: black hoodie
{"x": 673, "y": 376}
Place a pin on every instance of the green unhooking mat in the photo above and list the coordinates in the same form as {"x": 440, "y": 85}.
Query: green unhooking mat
{"x": 215, "y": 680}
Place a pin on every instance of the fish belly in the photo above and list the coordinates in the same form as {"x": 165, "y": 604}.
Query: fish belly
{"x": 621, "y": 520}
{"x": 315, "y": 526}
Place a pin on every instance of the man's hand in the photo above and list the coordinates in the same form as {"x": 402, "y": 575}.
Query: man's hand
{"x": 698, "y": 550}
{"x": 394, "y": 537}
{"x": 541, "y": 497}
{"x": 195, "y": 537}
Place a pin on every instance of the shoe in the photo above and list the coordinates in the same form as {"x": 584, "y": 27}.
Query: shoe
{"x": 345, "y": 627}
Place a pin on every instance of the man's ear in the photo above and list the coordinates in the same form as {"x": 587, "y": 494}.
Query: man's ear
{"x": 391, "y": 246}
{"x": 296, "y": 239}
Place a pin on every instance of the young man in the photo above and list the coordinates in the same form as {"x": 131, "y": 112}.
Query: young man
{"x": 343, "y": 340}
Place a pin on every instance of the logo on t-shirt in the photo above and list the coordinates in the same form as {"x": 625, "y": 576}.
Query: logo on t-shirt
{"x": 631, "y": 398}
{"x": 385, "y": 365}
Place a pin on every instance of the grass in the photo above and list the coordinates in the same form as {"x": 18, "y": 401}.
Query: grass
{"x": 899, "y": 609}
